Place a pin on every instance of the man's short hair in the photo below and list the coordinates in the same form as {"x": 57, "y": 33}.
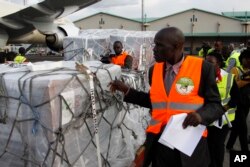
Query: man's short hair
{"x": 22, "y": 50}
{"x": 219, "y": 58}
{"x": 118, "y": 42}
{"x": 175, "y": 35}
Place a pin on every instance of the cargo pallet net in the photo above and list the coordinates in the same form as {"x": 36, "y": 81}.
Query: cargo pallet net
{"x": 46, "y": 119}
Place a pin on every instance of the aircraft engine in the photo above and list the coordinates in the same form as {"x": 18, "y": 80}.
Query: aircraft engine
{"x": 55, "y": 41}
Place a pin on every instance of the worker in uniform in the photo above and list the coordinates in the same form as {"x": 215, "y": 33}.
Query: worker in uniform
{"x": 233, "y": 60}
{"x": 120, "y": 57}
{"x": 218, "y": 46}
{"x": 242, "y": 78}
{"x": 229, "y": 92}
{"x": 179, "y": 84}
{"x": 204, "y": 49}
{"x": 20, "y": 58}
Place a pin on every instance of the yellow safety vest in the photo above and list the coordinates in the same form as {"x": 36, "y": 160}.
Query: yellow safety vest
{"x": 201, "y": 53}
{"x": 19, "y": 59}
{"x": 224, "y": 88}
{"x": 235, "y": 55}
{"x": 210, "y": 50}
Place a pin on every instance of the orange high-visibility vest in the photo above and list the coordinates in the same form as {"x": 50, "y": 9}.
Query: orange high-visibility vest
{"x": 183, "y": 96}
{"x": 120, "y": 59}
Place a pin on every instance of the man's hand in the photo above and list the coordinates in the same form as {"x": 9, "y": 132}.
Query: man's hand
{"x": 192, "y": 119}
{"x": 118, "y": 85}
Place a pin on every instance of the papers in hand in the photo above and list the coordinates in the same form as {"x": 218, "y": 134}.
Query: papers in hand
{"x": 184, "y": 140}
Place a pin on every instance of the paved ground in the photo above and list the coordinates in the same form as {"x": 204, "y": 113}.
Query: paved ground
{"x": 237, "y": 145}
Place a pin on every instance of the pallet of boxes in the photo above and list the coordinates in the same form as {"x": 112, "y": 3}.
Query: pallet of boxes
{"x": 46, "y": 117}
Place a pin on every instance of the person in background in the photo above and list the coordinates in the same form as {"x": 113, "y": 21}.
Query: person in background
{"x": 233, "y": 59}
{"x": 120, "y": 57}
{"x": 10, "y": 56}
{"x": 204, "y": 49}
{"x": 218, "y": 45}
{"x": 231, "y": 47}
{"x": 225, "y": 52}
{"x": 20, "y": 58}
{"x": 242, "y": 77}
{"x": 177, "y": 83}
{"x": 229, "y": 94}
{"x": 2, "y": 57}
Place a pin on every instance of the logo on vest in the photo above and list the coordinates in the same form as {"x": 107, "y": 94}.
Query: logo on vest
{"x": 184, "y": 86}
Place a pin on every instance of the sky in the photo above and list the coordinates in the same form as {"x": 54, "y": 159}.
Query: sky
{"x": 155, "y": 8}
{"x": 159, "y": 8}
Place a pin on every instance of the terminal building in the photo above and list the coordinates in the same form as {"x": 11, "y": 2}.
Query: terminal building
{"x": 197, "y": 25}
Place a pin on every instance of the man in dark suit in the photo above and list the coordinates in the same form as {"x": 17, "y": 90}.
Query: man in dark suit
{"x": 201, "y": 100}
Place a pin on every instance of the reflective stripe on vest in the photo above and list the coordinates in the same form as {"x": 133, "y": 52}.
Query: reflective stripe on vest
{"x": 230, "y": 112}
{"x": 235, "y": 55}
{"x": 177, "y": 102}
{"x": 224, "y": 88}
{"x": 229, "y": 84}
{"x": 175, "y": 106}
{"x": 120, "y": 59}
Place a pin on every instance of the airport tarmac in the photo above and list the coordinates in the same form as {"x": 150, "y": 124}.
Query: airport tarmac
{"x": 236, "y": 146}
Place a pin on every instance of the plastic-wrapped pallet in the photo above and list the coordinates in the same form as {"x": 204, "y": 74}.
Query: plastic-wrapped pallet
{"x": 46, "y": 118}
{"x": 83, "y": 49}
{"x": 138, "y": 45}
{"x": 89, "y": 45}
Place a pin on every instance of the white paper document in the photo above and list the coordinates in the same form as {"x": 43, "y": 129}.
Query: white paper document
{"x": 184, "y": 140}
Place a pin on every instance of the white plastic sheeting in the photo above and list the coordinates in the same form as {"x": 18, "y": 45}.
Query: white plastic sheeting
{"x": 45, "y": 118}
{"x": 90, "y": 44}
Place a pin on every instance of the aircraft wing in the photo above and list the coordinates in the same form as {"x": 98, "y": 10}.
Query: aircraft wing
{"x": 40, "y": 18}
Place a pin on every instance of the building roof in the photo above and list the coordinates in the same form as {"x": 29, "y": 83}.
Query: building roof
{"x": 231, "y": 34}
{"x": 149, "y": 19}
{"x": 239, "y": 15}
{"x": 196, "y": 10}
{"x": 152, "y": 19}
{"x": 105, "y": 13}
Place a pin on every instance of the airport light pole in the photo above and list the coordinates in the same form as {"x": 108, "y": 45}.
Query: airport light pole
{"x": 25, "y": 2}
{"x": 142, "y": 15}
{"x": 192, "y": 20}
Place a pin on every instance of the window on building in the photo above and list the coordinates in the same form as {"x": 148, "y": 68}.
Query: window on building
{"x": 198, "y": 49}
{"x": 187, "y": 49}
